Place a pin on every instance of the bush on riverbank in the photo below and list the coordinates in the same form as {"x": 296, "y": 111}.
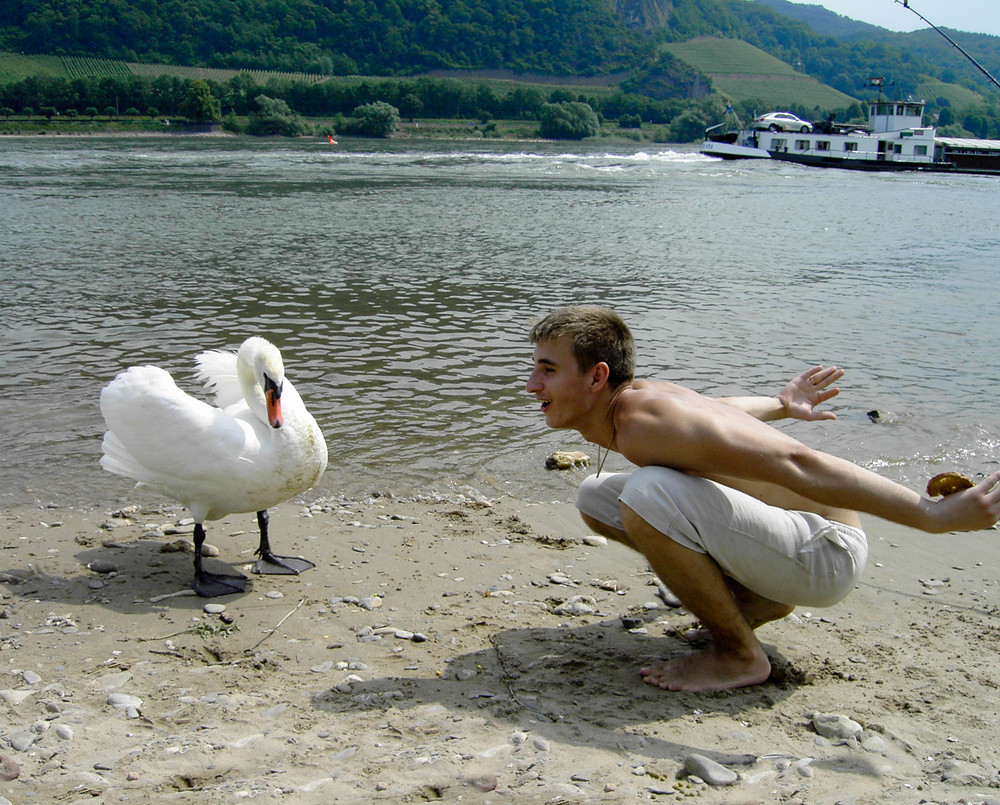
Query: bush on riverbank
{"x": 422, "y": 128}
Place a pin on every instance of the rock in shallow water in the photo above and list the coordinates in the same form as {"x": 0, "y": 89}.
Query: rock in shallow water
{"x": 566, "y": 460}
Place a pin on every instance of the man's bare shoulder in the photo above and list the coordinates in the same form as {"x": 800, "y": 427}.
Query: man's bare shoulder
{"x": 645, "y": 393}
{"x": 663, "y": 423}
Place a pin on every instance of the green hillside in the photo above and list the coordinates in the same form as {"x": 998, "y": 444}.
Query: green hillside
{"x": 743, "y": 72}
{"x": 17, "y": 67}
{"x": 959, "y": 97}
{"x": 571, "y": 38}
{"x": 397, "y": 37}
{"x": 654, "y": 61}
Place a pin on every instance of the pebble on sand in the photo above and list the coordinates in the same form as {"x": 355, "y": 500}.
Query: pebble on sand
{"x": 832, "y": 725}
{"x": 123, "y": 701}
{"x": 485, "y": 783}
{"x": 708, "y": 770}
{"x": 9, "y": 770}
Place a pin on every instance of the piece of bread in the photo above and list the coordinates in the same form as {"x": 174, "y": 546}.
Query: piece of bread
{"x": 948, "y": 483}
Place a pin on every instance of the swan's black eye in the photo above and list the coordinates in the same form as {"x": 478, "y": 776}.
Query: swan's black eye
{"x": 271, "y": 386}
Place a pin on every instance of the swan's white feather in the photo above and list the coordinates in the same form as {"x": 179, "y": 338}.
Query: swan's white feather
{"x": 215, "y": 461}
{"x": 217, "y": 370}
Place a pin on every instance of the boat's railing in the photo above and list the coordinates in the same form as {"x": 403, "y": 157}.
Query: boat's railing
{"x": 861, "y": 156}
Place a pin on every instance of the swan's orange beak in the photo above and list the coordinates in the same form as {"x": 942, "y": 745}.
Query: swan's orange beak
{"x": 272, "y": 395}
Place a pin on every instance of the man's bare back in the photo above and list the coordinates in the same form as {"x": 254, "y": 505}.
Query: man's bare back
{"x": 770, "y": 493}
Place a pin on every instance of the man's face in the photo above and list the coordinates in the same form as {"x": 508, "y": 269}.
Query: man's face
{"x": 557, "y": 383}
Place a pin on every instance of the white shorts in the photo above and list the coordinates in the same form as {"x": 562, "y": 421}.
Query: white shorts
{"x": 792, "y": 557}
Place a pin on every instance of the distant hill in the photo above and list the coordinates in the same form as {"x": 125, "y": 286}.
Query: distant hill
{"x": 952, "y": 67}
{"x": 395, "y": 37}
{"x": 629, "y": 43}
{"x": 948, "y": 65}
{"x": 822, "y": 20}
{"x": 742, "y": 73}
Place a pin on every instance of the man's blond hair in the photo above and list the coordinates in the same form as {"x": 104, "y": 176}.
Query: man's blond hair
{"x": 597, "y": 334}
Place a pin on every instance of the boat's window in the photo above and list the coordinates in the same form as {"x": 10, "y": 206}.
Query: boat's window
{"x": 822, "y": 145}
{"x": 850, "y": 146}
{"x": 801, "y": 145}
{"x": 920, "y": 150}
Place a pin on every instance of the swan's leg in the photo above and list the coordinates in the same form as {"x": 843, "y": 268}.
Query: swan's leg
{"x": 208, "y": 584}
{"x": 270, "y": 564}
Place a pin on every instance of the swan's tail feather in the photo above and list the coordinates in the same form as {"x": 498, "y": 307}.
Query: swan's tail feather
{"x": 119, "y": 460}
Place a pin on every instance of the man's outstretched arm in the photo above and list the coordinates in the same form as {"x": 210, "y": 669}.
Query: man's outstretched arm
{"x": 798, "y": 400}
{"x": 694, "y": 434}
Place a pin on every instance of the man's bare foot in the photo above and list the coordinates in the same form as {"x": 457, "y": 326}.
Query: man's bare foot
{"x": 708, "y": 670}
{"x": 695, "y": 634}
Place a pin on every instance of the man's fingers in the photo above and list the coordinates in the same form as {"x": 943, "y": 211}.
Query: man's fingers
{"x": 991, "y": 483}
{"x": 820, "y": 377}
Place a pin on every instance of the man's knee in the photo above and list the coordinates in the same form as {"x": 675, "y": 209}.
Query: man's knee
{"x": 602, "y": 528}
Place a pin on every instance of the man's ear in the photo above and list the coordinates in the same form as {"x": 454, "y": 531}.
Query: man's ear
{"x": 599, "y": 375}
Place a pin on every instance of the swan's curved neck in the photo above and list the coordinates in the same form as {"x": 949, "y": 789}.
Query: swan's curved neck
{"x": 253, "y": 392}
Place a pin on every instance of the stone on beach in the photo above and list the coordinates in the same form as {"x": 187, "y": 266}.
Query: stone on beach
{"x": 15, "y": 697}
{"x": 577, "y": 605}
{"x": 9, "y": 770}
{"x": 124, "y": 701}
{"x": 832, "y": 725}
{"x": 710, "y": 771}
{"x": 21, "y": 741}
{"x": 485, "y": 783}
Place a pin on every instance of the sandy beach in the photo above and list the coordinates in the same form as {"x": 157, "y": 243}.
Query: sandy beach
{"x": 469, "y": 651}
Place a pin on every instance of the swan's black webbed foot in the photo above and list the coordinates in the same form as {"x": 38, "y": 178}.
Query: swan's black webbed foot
{"x": 210, "y": 585}
{"x": 270, "y": 564}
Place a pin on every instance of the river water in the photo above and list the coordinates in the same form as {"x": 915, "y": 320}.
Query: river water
{"x": 400, "y": 279}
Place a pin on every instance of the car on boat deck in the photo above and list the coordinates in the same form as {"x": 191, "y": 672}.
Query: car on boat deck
{"x": 782, "y": 121}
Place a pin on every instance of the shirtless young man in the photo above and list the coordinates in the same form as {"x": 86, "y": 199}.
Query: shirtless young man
{"x": 741, "y": 521}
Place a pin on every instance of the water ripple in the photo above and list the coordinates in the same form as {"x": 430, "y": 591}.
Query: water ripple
{"x": 400, "y": 281}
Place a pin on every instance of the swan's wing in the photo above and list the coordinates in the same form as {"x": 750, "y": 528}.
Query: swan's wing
{"x": 217, "y": 370}
{"x": 159, "y": 435}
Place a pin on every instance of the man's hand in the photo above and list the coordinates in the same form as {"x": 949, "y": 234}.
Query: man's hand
{"x": 810, "y": 389}
{"x": 971, "y": 509}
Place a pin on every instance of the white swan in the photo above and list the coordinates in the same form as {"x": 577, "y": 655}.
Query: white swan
{"x": 257, "y": 446}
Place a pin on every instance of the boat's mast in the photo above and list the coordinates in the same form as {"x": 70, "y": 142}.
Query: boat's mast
{"x": 983, "y": 70}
